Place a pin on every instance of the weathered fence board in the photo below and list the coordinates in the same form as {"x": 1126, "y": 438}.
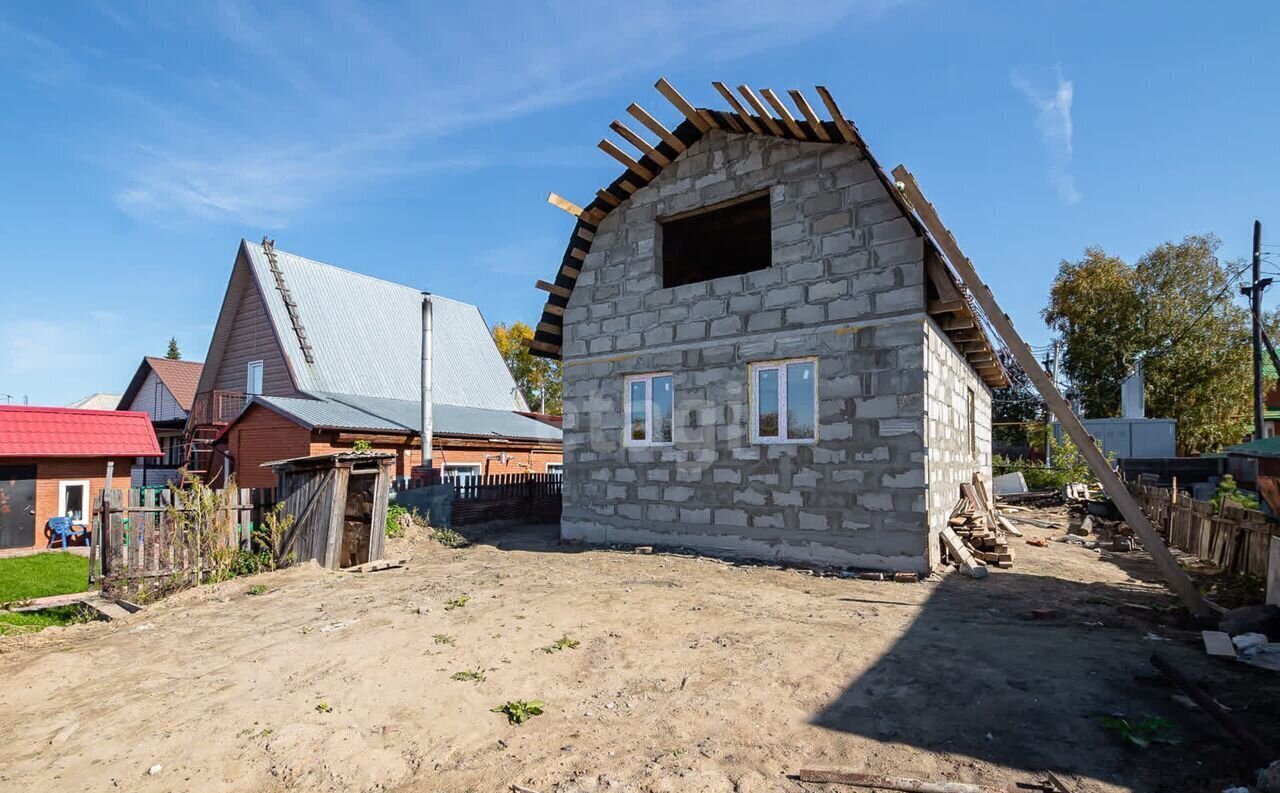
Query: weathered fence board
{"x": 498, "y": 497}
{"x": 144, "y": 534}
{"x": 1236, "y": 540}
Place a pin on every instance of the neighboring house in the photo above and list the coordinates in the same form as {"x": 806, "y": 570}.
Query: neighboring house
{"x": 1271, "y": 402}
{"x": 163, "y": 389}
{"x": 307, "y": 358}
{"x": 53, "y": 461}
{"x": 98, "y": 401}
{"x": 764, "y": 352}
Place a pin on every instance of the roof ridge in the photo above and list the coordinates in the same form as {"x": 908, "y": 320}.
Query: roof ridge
{"x": 65, "y": 409}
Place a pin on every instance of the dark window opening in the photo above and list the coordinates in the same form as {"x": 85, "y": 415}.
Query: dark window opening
{"x": 712, "y": 243}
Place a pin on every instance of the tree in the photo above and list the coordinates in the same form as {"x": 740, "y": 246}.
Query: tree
{"x": 1015, "y": 410}
{"x": 174, "y": 354}
{"x": 539, "y": 379}
{"x": 1175, "y": 311}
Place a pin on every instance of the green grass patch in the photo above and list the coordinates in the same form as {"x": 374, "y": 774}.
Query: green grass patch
{"x": 563, "y": 643}
{"x": 15, "y": 622}
{"x": 42, "y": 574}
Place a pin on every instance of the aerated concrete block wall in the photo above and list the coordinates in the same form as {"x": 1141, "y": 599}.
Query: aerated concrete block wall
{"x": 949, "y": 460}
{"x": 846, "y": 286}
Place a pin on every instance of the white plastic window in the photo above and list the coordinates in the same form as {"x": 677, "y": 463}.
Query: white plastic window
{"x": 649, "y": 409}
{"x": 784, "y": 401}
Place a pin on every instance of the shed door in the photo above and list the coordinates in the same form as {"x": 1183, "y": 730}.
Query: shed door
{"x": 17, "y": 506}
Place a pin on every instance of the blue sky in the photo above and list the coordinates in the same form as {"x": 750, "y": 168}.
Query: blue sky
{"x": 140, "y": 142}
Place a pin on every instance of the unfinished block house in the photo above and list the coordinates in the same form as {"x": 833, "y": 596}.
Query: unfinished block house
{"x": 765, "y": 354}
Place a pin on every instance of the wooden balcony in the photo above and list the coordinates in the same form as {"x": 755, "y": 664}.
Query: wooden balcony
{"x": 216, "y": 408}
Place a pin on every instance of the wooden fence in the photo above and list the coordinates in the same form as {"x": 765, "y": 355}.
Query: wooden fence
{"x": 534, "y": 498}
{"x": 1238, "y": 540}
{"x": 145, "y": 538}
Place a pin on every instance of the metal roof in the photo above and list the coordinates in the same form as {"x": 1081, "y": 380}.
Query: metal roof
{"x": 374, "y": 414}
{"x": 366, "y": 337}
{"x": 27, "y": 431}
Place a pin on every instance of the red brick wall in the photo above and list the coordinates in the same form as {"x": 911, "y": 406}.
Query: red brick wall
{"x": 50, "y": 471}
{"x": 521, "y": 458}
{"x": 262, "y": 436}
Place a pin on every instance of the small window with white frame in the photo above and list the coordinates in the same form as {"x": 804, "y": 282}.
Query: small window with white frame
{"x": 555, "y": 469}
{"x": 73, "y": 500}
{"x": 784, "y": 401}
{"x": 462, "y": 471}
{"x": 253, "y": 378}
{"x": 649, "y": 409}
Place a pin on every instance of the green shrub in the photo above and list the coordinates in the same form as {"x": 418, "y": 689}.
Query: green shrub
{"x": 1228, "y": 489}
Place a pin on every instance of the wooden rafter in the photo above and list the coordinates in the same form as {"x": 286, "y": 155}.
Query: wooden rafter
{"x": 756, "y": 105}
{"x": 947, "y": 306}
{"x": 1176, "y": 577}
{"x": 783, "y": 113}
{"x": 743, "y": 115}
{"x": 640, "y": 143}
{"x": 689, "y": 111}
{"x": 578, "y": 253}
{"x": 553, "y": 309}
{"x": 807, "y": 111}
{"x": 846, "y": 129}
{"x": 585, "y": 233}
{"x": 550, "y": 349}
{"x": 558, "y": 291}
{"x": 547, "y": 327}
{"x": 608, "y": 198}
{"x": 611, "y": 149}
{"x": 564, "y": 203}
{"x": 655, "y": 126}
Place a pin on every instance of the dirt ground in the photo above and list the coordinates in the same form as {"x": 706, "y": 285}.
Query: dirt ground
{"x": 691, "y": 675}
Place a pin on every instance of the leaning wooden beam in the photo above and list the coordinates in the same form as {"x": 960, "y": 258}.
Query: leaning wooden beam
{"x": 564, "y": 203}
{"x": 1177, "y": 578}
{"x": 742, "y": 112}
{"x": 655, "y": 126}
{"x": 963, "y": 556}
{"x": 759, "y": 108}
{"x": 690, "y": 112}
{"x": 558, "y": 291}
{"x": 810, "y": 116}
{"x": 783, "y": 113}
{"x": 609, "y": 148}
{"x": 640, "y": 143}
{"x": 842, "y": 124}
{"x": 895, "y": 782}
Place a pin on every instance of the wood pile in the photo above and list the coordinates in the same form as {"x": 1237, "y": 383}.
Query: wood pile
{"x": 975, "y": 521}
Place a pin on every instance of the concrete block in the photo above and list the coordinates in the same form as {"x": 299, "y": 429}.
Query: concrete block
{"x": 677, "y": 493}
{"x": 695, "y": 516}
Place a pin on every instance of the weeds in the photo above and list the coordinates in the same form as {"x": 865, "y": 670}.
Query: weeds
{"x": 469, "y": 676}
{"x": 400, "y": 517}
{"x": 519, "y": 711}
{"x": 449, "y": 538}
{"x": 324, "y": 707}
{"x": 256, "y": 589}
{"x": 1142, "y": 732}
{"x": 563, "y": 643}
{"x": 457, "y": 602}
{"x": 442, "y": 638}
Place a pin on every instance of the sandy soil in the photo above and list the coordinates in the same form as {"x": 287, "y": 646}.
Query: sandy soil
{"x": 691, "y": 675}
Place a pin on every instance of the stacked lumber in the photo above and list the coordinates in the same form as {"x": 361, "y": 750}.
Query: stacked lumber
{"x": 975, "y": 522}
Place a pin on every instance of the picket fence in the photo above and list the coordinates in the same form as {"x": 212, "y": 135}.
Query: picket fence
{"x": 527, "y": 497}
{"x": 1237, "y": 540}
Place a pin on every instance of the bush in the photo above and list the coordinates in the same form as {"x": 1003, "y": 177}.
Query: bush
{"x": 1069, "y": 466}
{"x": 1228, "y": 489}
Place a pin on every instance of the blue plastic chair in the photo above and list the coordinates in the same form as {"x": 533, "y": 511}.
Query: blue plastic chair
{"x": 64, "y": 530}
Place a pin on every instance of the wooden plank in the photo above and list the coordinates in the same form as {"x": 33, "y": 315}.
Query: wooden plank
{"x": 608, "y": 198}
{"x": 1177, "y": 578}
{"x": 585, "y": 233}
{"x": 751, "y": 123}
{"x": 578, "y": 253}
{"x": 783, "y": 113}
{"x": 655, "y": 126}
{"x": 553, "y": 309}
{"x": 564, "y": 203}
{"x": 807, "y": 111}
{"x": 546, "y": 347}
{"x": 901, "y": 783}
{"x": 558, "y": 291}
{"x": 846, "y": 129}
{"x": 640, "y": 143}
{"x": 608, "y": 147}
{"x": 547, "y": 327}
{"x": 956, "y": 547}
{"x": 689, "y": 111}
{"x": 756, "y": 105}
{"x": 941, "y": 280}
{"x": 947, "y": 306}
{"x": 571, "y": 270}
{"x": 956, "y": 323}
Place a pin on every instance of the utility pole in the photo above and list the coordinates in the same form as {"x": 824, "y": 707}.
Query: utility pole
{"x": 1254, "y": 292}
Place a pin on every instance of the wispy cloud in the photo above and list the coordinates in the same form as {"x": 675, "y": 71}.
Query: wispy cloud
{"x": 302, "y": 105}
{"x": 1053, "y": 121}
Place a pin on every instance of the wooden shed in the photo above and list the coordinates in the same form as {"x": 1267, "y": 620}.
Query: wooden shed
{"x": 339, "y": 505}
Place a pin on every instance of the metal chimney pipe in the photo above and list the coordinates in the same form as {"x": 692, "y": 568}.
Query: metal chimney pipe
{"x": 426, "y": 380}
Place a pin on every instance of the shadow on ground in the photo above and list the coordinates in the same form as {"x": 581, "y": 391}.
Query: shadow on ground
{"x": 1030, "y": 694}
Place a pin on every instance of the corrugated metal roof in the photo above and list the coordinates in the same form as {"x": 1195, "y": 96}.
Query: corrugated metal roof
{"x": 69, "y": 432}
{"x": 375, "y": 414}
{"x": 366, "y": 337}
{"x": 98, "y": 401}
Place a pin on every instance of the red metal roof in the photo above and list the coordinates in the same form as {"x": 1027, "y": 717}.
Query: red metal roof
{"x": 67, "y": 432}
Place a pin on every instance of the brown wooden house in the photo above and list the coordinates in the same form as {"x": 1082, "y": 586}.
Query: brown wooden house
{"x": 307, "y": 359}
